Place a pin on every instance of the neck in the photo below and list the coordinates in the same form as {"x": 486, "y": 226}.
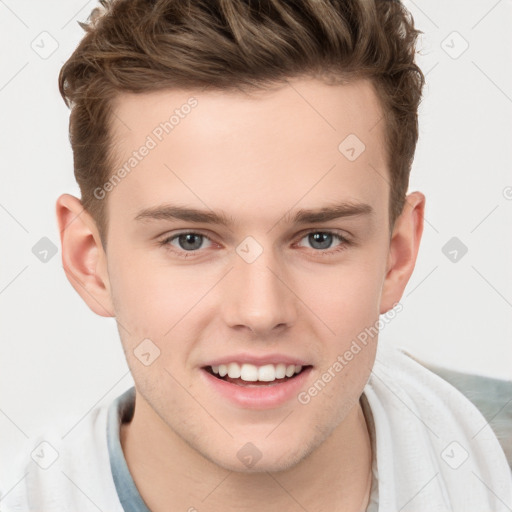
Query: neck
{"x": 166, "y": 470}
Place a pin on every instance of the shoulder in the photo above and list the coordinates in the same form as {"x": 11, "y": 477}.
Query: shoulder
{"x": 478, "y": 403}
{"x": 65, "y": 467}
{"x": 426, "y": 426}
{"x": 492, "y": 397}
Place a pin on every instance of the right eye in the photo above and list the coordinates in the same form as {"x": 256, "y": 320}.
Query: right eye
{"x": 186, "y": 242}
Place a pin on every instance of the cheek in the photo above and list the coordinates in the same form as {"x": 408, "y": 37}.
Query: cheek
{"x": 344, "y": 298}
{"x": 146, "y": 306}
{"x": 162, "y": 303}
{"x": 145, "y": 289}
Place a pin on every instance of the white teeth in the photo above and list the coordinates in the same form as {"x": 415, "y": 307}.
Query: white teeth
{"x": 267, "y": 373}
{"x": 234, "y": 370}
{"x": 280, "y": 371}
{"x": 249, "y": 373}
{"x": 253, "y": 373}
{"x": 290, "y": 370}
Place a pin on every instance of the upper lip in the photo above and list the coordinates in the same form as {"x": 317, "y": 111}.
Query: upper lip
{"x": 257, "y": 360}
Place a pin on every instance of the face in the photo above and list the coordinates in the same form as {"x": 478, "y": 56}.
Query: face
{"x": 257, "y": 276}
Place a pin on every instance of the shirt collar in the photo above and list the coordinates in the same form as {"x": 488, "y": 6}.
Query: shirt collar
{"x": 121, "y": 411}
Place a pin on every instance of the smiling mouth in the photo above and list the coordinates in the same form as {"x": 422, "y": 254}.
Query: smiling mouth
{"x": 252, "y": 376}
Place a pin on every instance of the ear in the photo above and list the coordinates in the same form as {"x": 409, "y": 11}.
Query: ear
{"x": 403, "y": 250}
{"x": 83, "y": 257}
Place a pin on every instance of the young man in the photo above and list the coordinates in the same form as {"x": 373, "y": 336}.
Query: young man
{"x": 243, "y": 169}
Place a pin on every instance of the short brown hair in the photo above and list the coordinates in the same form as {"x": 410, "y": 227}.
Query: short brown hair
{"x": 149, "y": 45}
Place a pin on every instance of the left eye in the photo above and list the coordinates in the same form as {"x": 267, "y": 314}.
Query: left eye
{"x": 323, "y": 238}
{"x": 186, "y": 241}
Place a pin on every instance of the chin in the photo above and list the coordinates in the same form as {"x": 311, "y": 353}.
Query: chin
{"x": 249, "y": 459}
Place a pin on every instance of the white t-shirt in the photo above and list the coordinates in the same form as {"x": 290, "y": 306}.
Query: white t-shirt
{"x": 433, "y": 452}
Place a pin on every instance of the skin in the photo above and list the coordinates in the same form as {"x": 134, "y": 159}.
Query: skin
{"x": 256, "y": 157}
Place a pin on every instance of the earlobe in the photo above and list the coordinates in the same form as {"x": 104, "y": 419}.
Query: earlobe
{"x": 83, "y": 258}
{"x": 403, "y": 250}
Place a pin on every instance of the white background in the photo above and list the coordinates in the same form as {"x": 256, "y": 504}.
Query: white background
{"x": 59, "y": 357}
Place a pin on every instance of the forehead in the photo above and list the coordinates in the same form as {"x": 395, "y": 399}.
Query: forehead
{"x": 305, "y": 144}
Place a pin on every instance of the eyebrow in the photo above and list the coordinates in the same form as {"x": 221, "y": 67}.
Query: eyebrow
{"x": 323, "y": 214}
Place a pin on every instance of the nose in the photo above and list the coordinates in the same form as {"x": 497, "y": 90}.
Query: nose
{"x": 258, "y": 296}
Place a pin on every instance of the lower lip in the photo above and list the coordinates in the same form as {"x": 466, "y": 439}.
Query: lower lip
{"x": 261, "y": 396}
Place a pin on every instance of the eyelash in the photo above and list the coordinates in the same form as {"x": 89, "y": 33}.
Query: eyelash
{"x": 184, "y": 254}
